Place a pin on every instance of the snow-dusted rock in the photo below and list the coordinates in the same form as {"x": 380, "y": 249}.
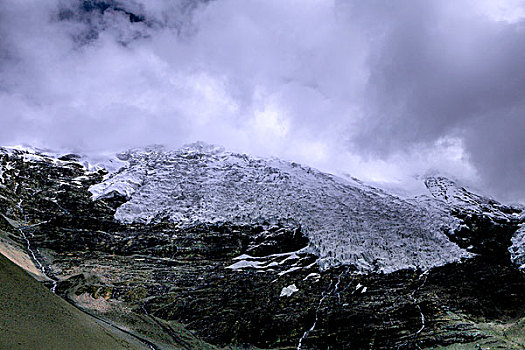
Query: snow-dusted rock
{"x": 487, "y": 226}
{"x": 517, "y": 249}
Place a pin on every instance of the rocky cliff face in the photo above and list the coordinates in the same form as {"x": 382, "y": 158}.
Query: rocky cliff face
{"x": 200, "y": 246}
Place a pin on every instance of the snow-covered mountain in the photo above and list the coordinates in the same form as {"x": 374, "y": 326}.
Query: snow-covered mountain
{"x": 205, "y": 238}
{"x": 346, "y": 221}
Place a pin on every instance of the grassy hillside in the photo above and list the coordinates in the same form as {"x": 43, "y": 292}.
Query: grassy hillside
{"x": 34, "y": 318}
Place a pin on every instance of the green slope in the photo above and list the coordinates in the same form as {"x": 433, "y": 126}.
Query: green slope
{"x": 31, "y": 317}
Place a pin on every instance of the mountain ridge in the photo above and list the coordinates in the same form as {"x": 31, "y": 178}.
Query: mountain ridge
{"x": 258, "y": 282}
{"x": 219, "y": 186}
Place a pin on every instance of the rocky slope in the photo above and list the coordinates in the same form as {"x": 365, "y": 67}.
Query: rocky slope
{"x": 34, "y": 318}
{"x": 486, "y": 226}
{"x": 201, "y": 246}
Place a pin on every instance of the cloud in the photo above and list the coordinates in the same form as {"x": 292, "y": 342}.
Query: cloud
{"x": 440, "y": 70}
{"x": 378, "y": 89}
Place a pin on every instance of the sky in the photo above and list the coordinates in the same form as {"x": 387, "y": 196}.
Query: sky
{"x": 386, "y": 91}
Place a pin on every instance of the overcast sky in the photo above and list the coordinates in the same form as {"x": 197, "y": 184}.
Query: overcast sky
{"x": 382, "y": 90}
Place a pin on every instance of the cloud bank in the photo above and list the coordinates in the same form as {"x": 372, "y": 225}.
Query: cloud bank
{"x": 378, "y": 89}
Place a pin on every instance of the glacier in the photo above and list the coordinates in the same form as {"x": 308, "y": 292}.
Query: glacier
{"x": 346, "y": 221}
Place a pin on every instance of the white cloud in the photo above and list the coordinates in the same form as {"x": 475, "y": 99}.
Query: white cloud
{"x": 383, "y": 90}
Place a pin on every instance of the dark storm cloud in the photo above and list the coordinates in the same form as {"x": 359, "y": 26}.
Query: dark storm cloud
{"x": 381, "y": 89}
{"x": 437, "y": 71}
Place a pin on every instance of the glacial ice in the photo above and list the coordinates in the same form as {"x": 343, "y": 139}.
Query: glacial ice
{"x": 346, "y": 221}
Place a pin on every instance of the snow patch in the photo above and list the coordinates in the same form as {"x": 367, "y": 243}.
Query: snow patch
{"x": 295, "y": 268}
{"x": 245, "y": 256}
{"x": 266, "y": 263}
{"x": 245, "y": 264}
{"x": 312, "y": 276}
{"x": 288, "y": 291}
